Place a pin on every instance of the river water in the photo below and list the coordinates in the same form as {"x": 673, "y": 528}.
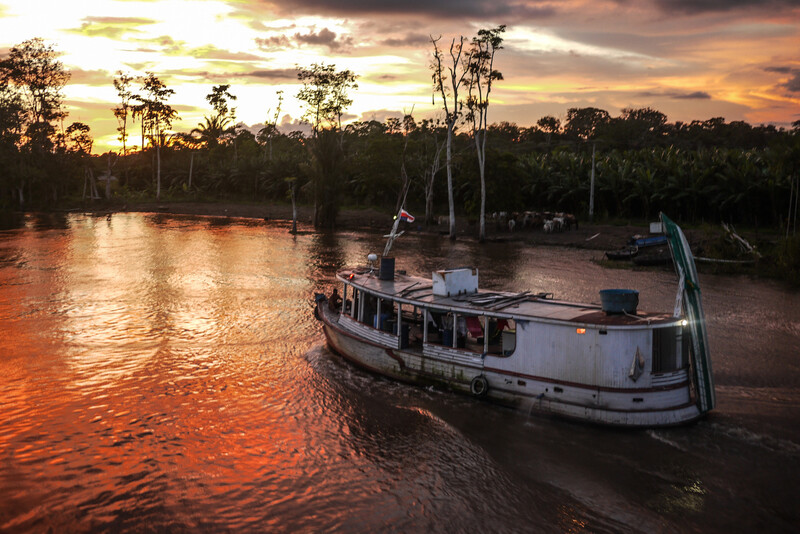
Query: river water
{"x": 165, "y": 373}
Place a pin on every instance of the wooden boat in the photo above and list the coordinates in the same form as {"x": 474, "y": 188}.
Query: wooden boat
{"x": 641, "y": 242}
{"x": 623, "y": 254}
{"x": 608, "y": 364}
{"x": 653, "y": 256}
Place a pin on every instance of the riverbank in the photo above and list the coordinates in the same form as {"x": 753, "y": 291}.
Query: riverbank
{"x": 780, "y": 258}
{"x": 590, "y": 236}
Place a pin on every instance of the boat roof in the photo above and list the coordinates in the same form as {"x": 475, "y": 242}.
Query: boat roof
{"x": 418, "y": 291}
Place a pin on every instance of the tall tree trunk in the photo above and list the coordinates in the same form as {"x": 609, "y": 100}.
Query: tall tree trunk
{"x": 158, "y": 171}
{"x": 482, "y": 230}
{"x": 108, "y": 177}
{"x": 294, "y": 207}
{"x": 480, "y": 150}
{"x": 450, "y": 200}
{"x": 125, "y": 149}
{"x": 431, "y": 176}
{"x": 429, "y": 204}
{"x": 191, "y": 167}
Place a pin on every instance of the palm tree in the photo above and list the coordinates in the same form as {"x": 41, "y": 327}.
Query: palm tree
{"x": 211, "y": 132}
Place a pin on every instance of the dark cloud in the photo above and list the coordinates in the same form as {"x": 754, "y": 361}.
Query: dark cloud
{"x": 273, "y": 74}
{"x": 792, "y": 84}
{"x": 696, "y": 95}
{"x": 782, "y": 70}
{"x": 274, "y": 43}
{"x": 324, "y": 37}
{"x": 693, "y": 7}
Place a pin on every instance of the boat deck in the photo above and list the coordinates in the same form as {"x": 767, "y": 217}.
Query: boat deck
{"x": 416, "y": 290}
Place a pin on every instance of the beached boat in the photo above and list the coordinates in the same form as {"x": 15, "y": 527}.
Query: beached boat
{"x": 623, "y": 254}
{"x": 644, "y": 250}
{"x": 641, "y": 242}
{"x": 609, "y": 364}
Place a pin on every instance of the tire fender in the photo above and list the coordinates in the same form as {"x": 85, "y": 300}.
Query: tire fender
{"x": 479, "y": 386}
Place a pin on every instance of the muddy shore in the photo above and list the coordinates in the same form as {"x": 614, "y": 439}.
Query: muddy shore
{"x": 591, "y": 236}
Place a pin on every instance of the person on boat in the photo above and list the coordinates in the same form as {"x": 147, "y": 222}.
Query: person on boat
{"x": 335, "y": 301}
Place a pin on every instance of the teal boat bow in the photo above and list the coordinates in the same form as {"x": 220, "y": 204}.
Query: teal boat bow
{"x": 693, "y": 308}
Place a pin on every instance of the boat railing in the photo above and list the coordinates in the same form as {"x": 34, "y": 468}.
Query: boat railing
{"x": 375, "y": 335}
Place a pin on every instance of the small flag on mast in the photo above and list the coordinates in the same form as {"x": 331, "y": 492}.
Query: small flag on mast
{"x": 405, "y": 216}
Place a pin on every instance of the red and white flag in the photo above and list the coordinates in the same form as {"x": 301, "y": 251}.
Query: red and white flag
{"x": 405, "y": 216}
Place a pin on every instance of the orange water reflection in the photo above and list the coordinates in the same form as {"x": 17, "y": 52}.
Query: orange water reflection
{"x": 136, "y": 355}
{"x": 165, "y": 373}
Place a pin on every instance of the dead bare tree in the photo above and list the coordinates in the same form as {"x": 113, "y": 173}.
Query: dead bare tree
{"x": 447, "y": 80}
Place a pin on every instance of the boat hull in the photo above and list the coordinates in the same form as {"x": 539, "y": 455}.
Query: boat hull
{"x": 667, "y": 404}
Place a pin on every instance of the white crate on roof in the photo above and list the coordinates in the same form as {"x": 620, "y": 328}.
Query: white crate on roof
{"x": 452, "y": 282}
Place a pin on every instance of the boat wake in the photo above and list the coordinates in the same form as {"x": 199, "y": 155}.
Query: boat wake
{"x": 764, "y": 441}
{"x": 659, "y": 436}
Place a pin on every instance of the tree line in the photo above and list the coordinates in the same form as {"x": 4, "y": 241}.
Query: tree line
{"x": 709, "y": 170}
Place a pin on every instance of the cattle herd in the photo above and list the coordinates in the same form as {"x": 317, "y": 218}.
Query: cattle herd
{"x": 534, "y": 220}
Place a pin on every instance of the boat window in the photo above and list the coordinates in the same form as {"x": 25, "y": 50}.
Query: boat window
{"x": 666, "y": 355}
{"x": 380, "y": 313}
{"x": 502, "y": 336}
{"x": 440, "y": 328}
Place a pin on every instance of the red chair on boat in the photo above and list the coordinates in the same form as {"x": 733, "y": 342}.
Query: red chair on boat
{"x": 474, "y": 327}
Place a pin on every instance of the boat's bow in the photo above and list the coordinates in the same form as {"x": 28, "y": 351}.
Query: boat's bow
{"x": 693, "y": 307}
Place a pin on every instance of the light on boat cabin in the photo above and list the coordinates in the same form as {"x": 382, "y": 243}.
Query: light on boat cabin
{"x": 580, "y": 330}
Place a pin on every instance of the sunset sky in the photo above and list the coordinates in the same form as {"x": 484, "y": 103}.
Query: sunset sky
{"x": 690, "y": 59}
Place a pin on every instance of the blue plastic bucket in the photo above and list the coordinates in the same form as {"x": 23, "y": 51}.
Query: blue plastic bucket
{"x": 619, "y": 300}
